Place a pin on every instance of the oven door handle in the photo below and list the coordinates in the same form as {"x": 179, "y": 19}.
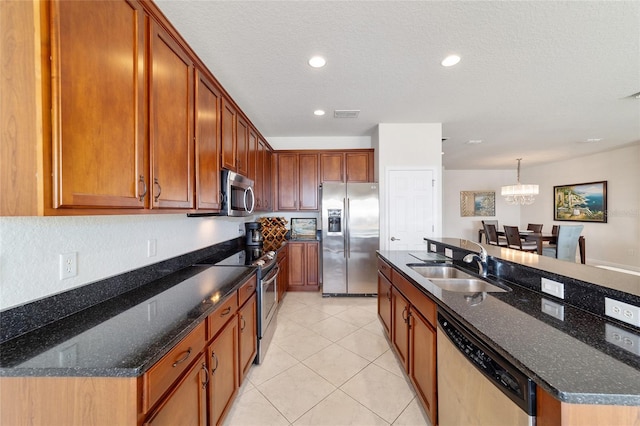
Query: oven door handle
{"x": 268, "y": 281}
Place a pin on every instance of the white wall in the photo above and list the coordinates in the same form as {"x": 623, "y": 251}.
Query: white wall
{"x": 408, "y": 145}
{"x": 329, "y": 142}
{"x": 106, "y": 246}
{"x": 617, "y": 242}
{"x": 456, "y": 181}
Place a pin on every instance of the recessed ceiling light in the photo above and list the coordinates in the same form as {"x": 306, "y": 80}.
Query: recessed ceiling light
{"x": 317, "y": 62}
{"x": 450, "y": 60}
{"x": 590, "y": 140}
{"x": 318, "y": 112}
{"x": 474, "y": 141}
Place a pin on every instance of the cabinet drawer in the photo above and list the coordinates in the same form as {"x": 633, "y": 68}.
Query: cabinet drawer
{"x": 247, "y": 290}
{"x": 418, "y": 299}
{"x": 221, "y": 315}
{"x": 165, "y": 372}
{"x": 384, "y": 268}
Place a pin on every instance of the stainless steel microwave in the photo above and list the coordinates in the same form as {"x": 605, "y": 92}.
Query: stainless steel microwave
{"x": 238, "y": 198}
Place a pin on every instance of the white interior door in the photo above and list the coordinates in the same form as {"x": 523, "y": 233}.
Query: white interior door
{"x": 410, "y": 209}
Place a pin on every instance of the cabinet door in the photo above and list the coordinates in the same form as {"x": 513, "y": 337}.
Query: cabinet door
{"x": 311, "y": 259}
{"x": 171, "y": 117}
{"x": 400, "y": 327}
{"x": 422, "y": 362}
{"x": 228, "y": 158}
{"x": 208, "y": 103}
{"x": 242, "y": 146}
{"x": 297, "y": 270}
{"x": 308, "y": 181}
{"x": 98, "y": 104}
{"x": 186, "y": 403}
{"x": 260, "y": 187}
{"x": 222, "y": 356}
{"x": 253, "y": 166}
{"x": 384, "y": 302}
{"x": 267, "y": 190}
{"x": 359, "y": 166}
{"x": 283, "y": 275}
{"x": 332, "y": 167}
{"x": 248, "y": 329}
{"x": 287, "y": 181}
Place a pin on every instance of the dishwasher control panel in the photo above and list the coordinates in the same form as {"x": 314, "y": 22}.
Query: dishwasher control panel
{"x": 518, "y": 387}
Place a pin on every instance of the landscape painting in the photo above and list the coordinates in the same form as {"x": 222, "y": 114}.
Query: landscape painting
{"x": 583, "y": 202}
{"x": 476, "y": 203}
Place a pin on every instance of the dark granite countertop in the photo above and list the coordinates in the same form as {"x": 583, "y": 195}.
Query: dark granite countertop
{"x": 123, "y": 336}
{"x": 568, "y": 351}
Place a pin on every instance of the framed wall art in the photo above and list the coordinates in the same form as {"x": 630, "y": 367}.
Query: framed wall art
{"x": 581, "y": 202}
{"x": 477, "y": 203}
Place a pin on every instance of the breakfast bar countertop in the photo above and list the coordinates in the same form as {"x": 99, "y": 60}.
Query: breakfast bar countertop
{"x": 572, "y": 355}
{"x": 123, "y": 336}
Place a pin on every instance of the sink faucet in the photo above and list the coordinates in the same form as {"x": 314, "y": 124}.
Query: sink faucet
{"x": 480, "y": 258}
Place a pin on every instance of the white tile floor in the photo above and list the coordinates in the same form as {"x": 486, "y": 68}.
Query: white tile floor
{"x": 329, "y": 364}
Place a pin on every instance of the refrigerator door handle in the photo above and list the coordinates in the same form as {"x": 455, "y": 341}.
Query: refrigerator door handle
{"x": 347, "y": 231}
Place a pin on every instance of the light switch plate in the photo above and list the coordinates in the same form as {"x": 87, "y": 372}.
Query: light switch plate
{"x": 553, "y": 288}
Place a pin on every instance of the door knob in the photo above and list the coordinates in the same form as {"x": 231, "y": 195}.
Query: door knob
{"x": 395, "y": 239}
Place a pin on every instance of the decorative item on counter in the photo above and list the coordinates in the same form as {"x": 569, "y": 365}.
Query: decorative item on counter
{"x": 303, "y": 228}
{"x": 274, "y": 232}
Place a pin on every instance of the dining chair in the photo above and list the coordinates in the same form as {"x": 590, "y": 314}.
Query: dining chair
{"x": 535, "y": 227}
{"x": 513, "y": 240}
{"x": 565, "y": 248}
{"x": 488, "y": 222}
{"x": 554, "y": 230}
{"x": 492, "y": 236}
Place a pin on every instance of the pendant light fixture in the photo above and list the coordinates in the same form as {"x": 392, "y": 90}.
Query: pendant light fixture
{"x": 519, "y": 193}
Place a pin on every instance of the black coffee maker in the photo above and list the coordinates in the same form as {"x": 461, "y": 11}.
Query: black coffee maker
{"x": 253, "y": 234}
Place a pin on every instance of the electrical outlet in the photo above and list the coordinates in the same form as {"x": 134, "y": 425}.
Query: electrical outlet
{"x": 448, "y": 252}
{"x": 622, "y": 338}
{"x": 152, "y": 248}
{"x": 68, "y": 357}
{"x": 68, "y": 265}
{"x": 553, "y": 288}
{"x": 622, "y": 311}
{"x": 433, "y": 248}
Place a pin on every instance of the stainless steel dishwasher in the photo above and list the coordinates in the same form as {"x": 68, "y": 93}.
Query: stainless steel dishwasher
{"x": 477, "y": 386}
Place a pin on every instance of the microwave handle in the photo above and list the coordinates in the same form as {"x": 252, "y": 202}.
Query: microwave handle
{"x": 253, "y": 200}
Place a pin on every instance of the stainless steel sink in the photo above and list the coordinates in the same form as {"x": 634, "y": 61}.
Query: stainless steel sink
{"x": 453, "y": 279}
{"x": 439, "y": 272}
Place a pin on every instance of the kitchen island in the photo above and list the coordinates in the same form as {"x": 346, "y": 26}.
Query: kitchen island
{"x": 569, "y": 350}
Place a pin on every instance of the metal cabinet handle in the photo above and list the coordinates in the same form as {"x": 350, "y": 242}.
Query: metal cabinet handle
{"x": 395, "y": 239}
{"x": 155, "y": 182}
{"x": 206, "y": 375}
{"x": 183, "y": 359}
{"x": 215, "y": 358}
{"x": 226, "y": 312}
{"x": 244, "y": 323}
{"x": 144, "y": 186}
{"x": 403, "y": 317}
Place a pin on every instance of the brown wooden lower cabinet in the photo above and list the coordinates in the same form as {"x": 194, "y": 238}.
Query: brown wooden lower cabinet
{"x": 384, "y": 302}
{"x": 248, "y": 331}
{"x": 303, "y": 266}
{"x": 187, "y": 402}
{"x": 283, "y": 274}
{"x": 222, "y": 359}
{"x": 422, "y": 362}
{"x": 400, "y": 327}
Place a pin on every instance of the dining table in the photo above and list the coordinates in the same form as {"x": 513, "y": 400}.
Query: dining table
{"x": 540, "y": 238}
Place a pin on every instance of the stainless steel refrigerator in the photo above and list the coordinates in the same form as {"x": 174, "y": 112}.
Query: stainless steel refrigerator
{"x": 350, "y": 238}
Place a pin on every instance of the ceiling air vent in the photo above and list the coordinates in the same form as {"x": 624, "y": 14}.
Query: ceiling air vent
{"x": 346, "y": 113}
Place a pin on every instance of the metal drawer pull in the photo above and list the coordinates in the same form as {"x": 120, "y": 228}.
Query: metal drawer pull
{"x": 244, "y": 324}
{"x": 226, "y": 311}
{"x": 183, "y": 359}
{"x": 206, "y": 374}
{"x": 214, "y": 357}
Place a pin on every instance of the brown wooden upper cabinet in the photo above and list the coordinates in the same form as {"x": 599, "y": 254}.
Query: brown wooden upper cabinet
{"x": 228, "y": 135}
{"x": 242, "y": 146}
{"x": 171, "y": 118}
{"x": 98, "y": 124}
{"x": 208, "y": 104}
{"x": 263, "y": 176}
{"x": 297, "y": 181}
{"x": 346, "y": 166}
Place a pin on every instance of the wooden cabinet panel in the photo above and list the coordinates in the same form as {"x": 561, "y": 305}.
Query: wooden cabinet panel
{"x": 248, "y": 339}
{"x": 303, "y": 266}
{"x": 287, "y": 181}
{"x": 400, "y": 327}
{"x": 308, "y": 181}
{"x": 186, "y": 404}
{"x": 283, "y": 275}
{"x": 332, "y": 167}
{"x": 242, "y": 146}
{"x": 252, "y": 169}
{"x": 384, "y": 302}
{"x": 359, "y": 166}
{"x": 171, "y": 118}
{"x": 422, "y": 362}
{"x": 228, "y": 158}
{"x": 222, "y": 359}
{"x": 247, "y": 290}
{"x": 98, "y": 105}
{"x": 267, "y": 190}
{"x": 208, "y": 103}
{"x": 384, "y": 268}
{"x": 221, "y": 315}
{"x": 164, "y": 373}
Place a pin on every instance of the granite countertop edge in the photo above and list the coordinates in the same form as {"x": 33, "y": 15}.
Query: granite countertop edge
{"x": 558, "y": 386}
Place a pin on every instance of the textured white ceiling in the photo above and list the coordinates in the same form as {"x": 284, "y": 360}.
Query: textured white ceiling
{"x": 536, "y": 80}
